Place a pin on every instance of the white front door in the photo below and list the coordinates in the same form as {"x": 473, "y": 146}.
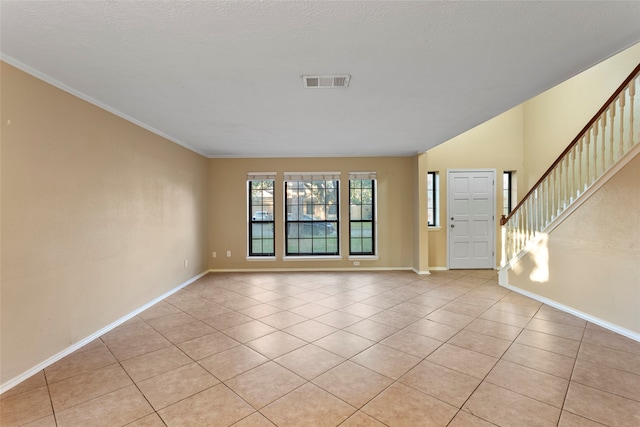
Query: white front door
{"x": 471, "y": 218}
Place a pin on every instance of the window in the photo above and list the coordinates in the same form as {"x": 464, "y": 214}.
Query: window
{"x": 433, "y": 218}
{"x": 312, "y": 213}
{"x": 362, "y": 213}
{"x": 507, "y": 192}
{"x": 261, "y": 221}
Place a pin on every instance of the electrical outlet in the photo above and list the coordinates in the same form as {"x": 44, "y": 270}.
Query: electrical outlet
{"x": 228, "y": 253}
{"x": 213, "y": 254}
{"x": 186, "y": 263}
{"x": 356, "y": 263}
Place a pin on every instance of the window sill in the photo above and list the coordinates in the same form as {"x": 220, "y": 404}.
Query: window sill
{"x": 312, "y": 258}
{"x": 435, "y": 228}
{"x": 260, "y": 258}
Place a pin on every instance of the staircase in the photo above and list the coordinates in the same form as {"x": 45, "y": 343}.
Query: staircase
{"x": 609, "y": 140}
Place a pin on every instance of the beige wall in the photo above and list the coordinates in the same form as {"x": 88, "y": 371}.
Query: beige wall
{"x": 228, "y": 217}
{"x": 591, "y": 262}
{"x": 98, "y": 216}
{"x": 497, "y": 144}
{"x": 554, "y": 118}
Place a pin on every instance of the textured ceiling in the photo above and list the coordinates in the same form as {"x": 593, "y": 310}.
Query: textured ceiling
{"x": 224, "y": 78}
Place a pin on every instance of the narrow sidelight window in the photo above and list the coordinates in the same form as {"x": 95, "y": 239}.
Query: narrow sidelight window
{"x": 433, "y": 217}
{"x": 261, "y": 214}
{"x": 362, "y": 210}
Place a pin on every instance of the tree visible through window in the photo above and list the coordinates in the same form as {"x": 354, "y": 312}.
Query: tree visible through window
{"x": 261, "y": 221}
{"x": 362, "y": 217}
{"x": 311, "y": 224}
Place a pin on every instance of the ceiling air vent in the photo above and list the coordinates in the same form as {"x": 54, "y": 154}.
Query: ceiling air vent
{"x": 325, "y": 82}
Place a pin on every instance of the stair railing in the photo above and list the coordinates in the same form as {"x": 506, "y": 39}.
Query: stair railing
{"x": 609, "y": 135}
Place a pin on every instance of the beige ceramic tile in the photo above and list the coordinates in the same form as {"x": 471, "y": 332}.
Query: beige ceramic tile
{"x": 309, "y": 361}
{"x": 481, "y": 343}
{"x": 151, "y": 420}
{"x": 283, "y": 319}
{"x": 462, "y": 360}
{"x": 557, "y": 329}
{"x": 264, "y": 384}
{"x": 207, "y": 345}
{"x": 215, "y": 407}
{"x": 371, "y": 330}
{"x": 154, "y": 363}
{"x": 338, "y": 319}
{"x": 506, "y": 408}
{"x": 187, "y": 332}
{"x": 310, "y": 330}
{"x": 163, "y": 323}
{"x": 412, "y": 309}
{"x": 308, "y": 406}
{"x": 554, "y": 315}
{"x": 275, "y": 344}
{"x": 450, "y": 318}
{"x": 499, "y": 316}
{"x": 414, "y": 344}
{"x": 35, "y": 381}
{"x": 602, "y": 407}
{"x": 25, "y": 407}
{"x": 353, "y": 383}
{"x": 119, "y": 407}
{"x": 611, "y": 340}
{"x": 229, "y": 363}
{"x": 311, "y": 310}
{"x": 394, "y": 318}
{"x": 249, "y": 331}
{"x": 400, "y": 405}
{"x": 362, "y": 309}
{"x": 529, "y": 382}
{"x": 258, "y": 311}
{"x": 88, "y": 385}
{"x": 344, "y": 344}
{"x": 172, "y": 386}
{"x": 48, "y": 421}
{"x": 541, "y": 360}
{"x": 465, "y": 419}
{"x": 442, "y": 383}
{"x": 288, "y": 303}
{"x": 360, "y": 419}
{"x": 159, "y": 309}
{"x": 386, "y": 360}
{"x": 77, "y": 363}
{"x": 254, "y": 420}
{"x": 551, "y": 343}
{"x": 431, "y": 329}
{"x": 567, "y": 419}
{"x": 130, "y": 341}
{"x": 494, "y": 329}
{"x": 611, "y": 380}
{"x": 611, "y": 358}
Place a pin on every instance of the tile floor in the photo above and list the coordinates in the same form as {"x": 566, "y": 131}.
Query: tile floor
{"x": 349, "y": 349}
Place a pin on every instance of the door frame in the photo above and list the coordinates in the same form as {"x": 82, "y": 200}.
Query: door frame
{"x": 493, "y": 213}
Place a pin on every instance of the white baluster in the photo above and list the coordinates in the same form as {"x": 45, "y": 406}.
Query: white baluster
{"x": 621, "y": 101}
{"x": 612, "y": 113}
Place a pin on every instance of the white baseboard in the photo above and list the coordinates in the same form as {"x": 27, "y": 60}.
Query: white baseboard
{"x": 607, "y": 325}
{"x": 67, "y": 351}
{"x": 296, "y": 270}
{"x": 421, "y": 272}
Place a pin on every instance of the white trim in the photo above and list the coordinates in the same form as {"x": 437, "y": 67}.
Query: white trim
{"x": 612, "y": 327}
{"x": 67, "y": 351}
{"x": 261, "y": 258}
{"x": 48, "y": 79}
{"x": 312, "y": 258}
{"x": 311, "y": 270}
{"x": 438, "y": 268}
{"x": 355, "y": 176}
{"x": 251, "y": 176}
{"x": 421, "y": 272}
